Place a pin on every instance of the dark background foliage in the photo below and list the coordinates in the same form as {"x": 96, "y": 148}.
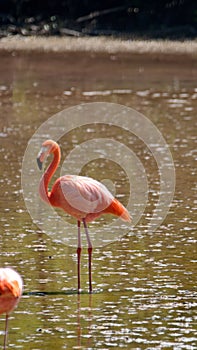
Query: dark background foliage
{"x": 151, "y": 18}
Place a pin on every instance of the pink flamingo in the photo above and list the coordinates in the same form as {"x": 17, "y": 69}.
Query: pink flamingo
{"x": 81, "y": 197}
{"x": 11, "y": 286}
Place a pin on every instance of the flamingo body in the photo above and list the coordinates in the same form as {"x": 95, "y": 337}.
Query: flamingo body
{"x": 11, "y": 286}
{"x": 81, "y": 197}
{"x": 84, "y": 198}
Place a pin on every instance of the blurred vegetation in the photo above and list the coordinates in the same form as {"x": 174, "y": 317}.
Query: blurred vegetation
{"x": 175, "y": 19}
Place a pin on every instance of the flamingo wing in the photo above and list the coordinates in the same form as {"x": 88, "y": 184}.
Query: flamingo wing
{"x": 80, "y": 196}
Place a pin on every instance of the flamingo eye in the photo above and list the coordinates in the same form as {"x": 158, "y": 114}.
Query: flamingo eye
{"x": 43, "y": 153}
{"x": 45, "y": 149}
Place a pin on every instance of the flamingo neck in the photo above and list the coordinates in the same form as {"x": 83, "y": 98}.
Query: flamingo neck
{"x": 46, "y": 177}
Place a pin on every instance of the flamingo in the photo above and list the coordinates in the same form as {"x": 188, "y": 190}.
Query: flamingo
{"x": 79, "y": 196}
{"x": 11, "y": 287}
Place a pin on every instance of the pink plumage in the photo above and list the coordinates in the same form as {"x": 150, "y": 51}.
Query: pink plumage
{"x": 81, "y": 197}
{"x": 11, "y": 287}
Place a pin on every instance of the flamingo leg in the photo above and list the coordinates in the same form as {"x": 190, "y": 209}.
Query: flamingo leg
{"x": 89, "y": 255}
{"x": 6, "y": 331}
{"x": 79, "y": 257}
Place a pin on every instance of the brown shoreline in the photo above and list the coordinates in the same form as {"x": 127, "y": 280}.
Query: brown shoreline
{"x": 155, "y": 49}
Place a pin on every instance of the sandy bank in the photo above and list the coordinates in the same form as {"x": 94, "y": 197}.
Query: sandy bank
{"x": 99, "y": 45}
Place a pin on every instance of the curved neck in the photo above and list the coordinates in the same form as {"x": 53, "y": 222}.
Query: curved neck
{"x": 46, "y": 177}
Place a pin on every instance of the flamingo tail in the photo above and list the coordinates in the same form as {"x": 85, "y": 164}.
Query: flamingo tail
{"x": 116, "y": 208}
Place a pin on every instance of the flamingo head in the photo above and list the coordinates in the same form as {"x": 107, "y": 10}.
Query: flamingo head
{"x": 48, "y": 147}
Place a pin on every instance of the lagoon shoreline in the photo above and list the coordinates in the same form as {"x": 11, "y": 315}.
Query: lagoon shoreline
{"x": 156, "y": 49}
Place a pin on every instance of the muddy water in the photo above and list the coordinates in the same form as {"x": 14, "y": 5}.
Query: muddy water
{"x": 145, "y": 284}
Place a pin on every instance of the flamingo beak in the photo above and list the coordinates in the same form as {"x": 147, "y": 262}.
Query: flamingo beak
{"x": 39, "y": 163}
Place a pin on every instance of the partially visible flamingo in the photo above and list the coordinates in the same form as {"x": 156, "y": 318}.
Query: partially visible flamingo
{"x": 11, "y": 287}
{"x": 81, "y": 197}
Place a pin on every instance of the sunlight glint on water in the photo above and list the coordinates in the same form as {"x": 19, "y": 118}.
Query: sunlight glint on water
{"x": 145, "y": 285}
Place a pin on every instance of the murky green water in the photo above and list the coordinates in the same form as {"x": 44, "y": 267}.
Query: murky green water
{"x": 145, "y": 284}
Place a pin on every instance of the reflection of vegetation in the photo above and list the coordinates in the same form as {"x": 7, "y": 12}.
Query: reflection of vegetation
{"x": 166, "y": 18}
{"x": 22, "y": 103}
{"x": 24, "y": 90}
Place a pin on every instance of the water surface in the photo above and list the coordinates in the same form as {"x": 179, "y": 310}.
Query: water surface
{"x": 145, "y": 284}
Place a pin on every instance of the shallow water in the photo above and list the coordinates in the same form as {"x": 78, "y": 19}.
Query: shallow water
{"x": 144, "y": 283}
